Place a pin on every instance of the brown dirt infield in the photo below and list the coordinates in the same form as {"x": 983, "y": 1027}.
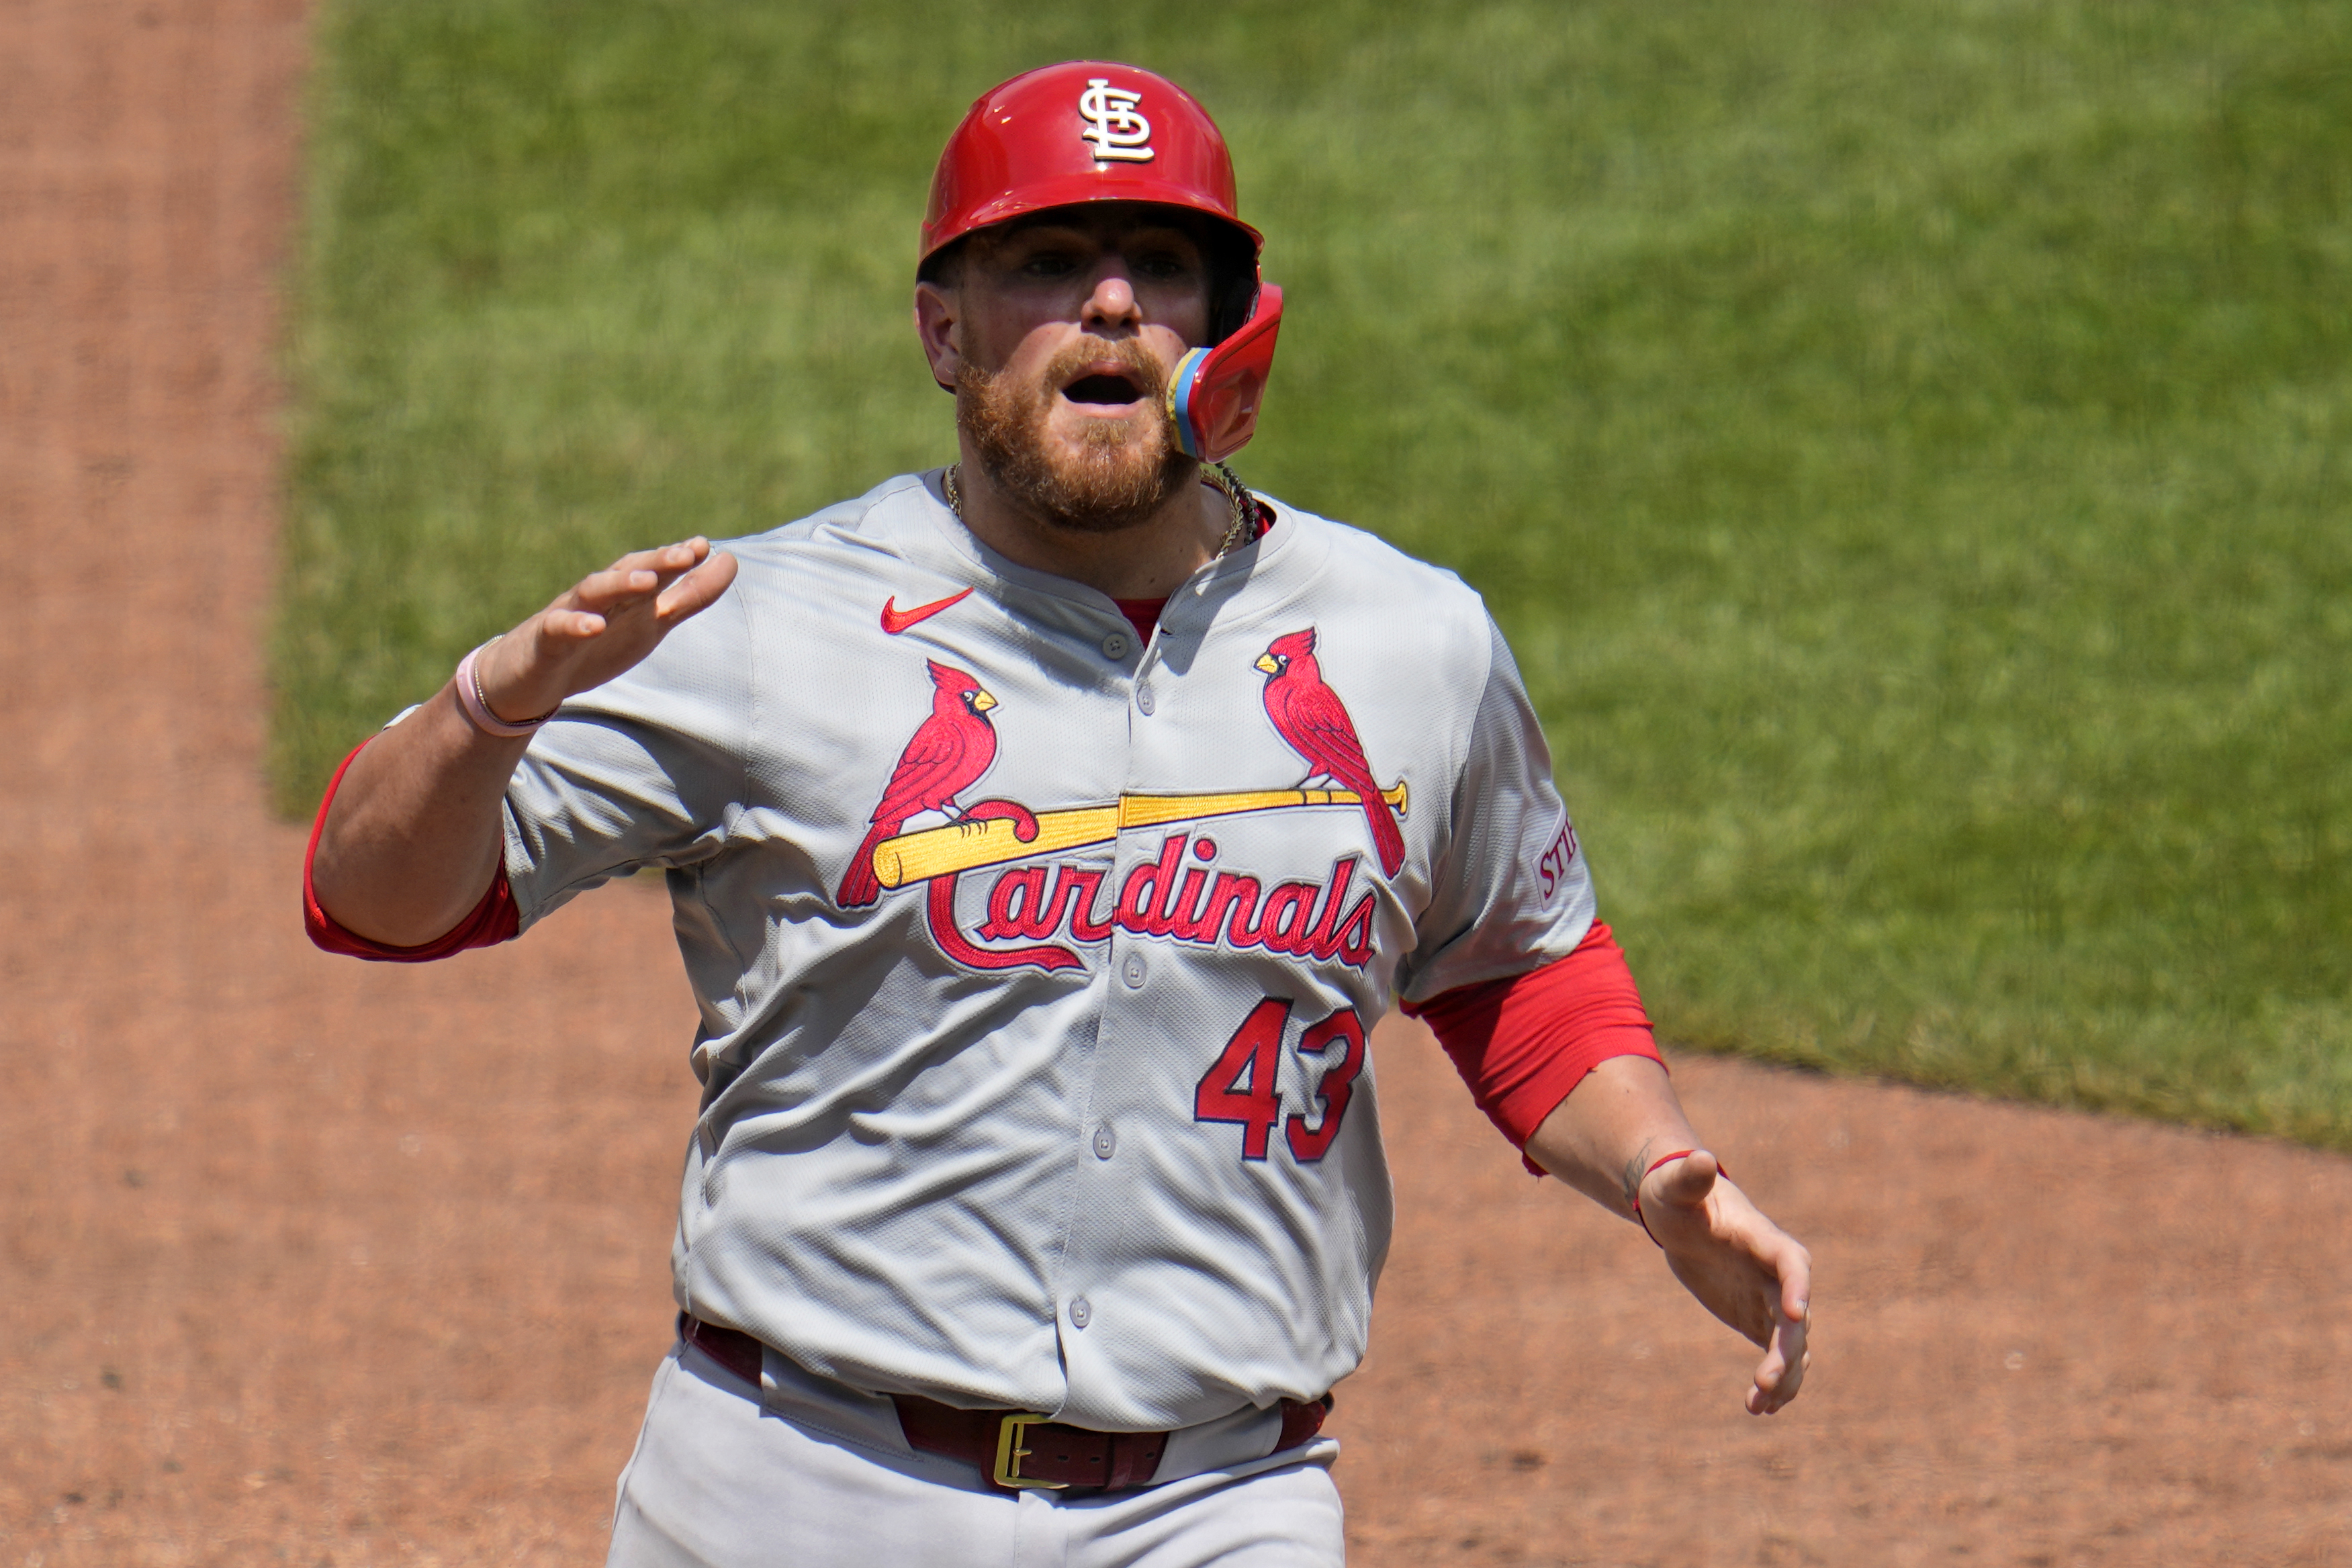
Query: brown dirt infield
{"x": 314, "y": 1262}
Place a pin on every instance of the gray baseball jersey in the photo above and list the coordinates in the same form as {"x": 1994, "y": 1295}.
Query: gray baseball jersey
{"x": 1035, "y": 963}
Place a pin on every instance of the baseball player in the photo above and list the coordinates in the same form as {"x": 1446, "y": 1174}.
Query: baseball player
{"x": 1045, "y": 833}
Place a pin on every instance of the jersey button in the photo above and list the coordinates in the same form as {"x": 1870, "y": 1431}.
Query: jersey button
{"x": 1105, "y": 1142}
{"x": 1115, "y": 645}
{"x": 1081, "y": 1312}
{"x": 1144, "y": 699}
{"x": 1132, "y": 971}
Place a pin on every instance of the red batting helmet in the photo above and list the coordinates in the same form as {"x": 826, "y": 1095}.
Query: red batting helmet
{"x": 1085, "y": 131}
{"x": 1091, "y": 130}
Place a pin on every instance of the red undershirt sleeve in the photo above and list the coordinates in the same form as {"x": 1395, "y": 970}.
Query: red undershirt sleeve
{"x": 1523, "y": 1043}
{"x": 494, "y": 920}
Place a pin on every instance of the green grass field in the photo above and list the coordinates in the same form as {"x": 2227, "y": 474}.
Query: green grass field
{"x": 1910, "y": 446}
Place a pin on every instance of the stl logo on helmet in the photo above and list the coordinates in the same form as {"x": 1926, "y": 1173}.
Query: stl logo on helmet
{"x": 1117, "y": 131}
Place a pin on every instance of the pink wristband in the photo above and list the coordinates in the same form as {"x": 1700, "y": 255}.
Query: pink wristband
{"x": 1664, "y": 1160}
{"x": 477, "y": 706}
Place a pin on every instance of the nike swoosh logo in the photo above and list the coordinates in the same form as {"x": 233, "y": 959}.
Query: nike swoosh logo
{"x": 895, "y": 620}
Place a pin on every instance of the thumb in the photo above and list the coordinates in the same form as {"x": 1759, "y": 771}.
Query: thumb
{"x": 1687, "y": 1181}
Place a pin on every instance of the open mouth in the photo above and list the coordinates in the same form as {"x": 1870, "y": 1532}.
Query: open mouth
{"x": 1110, "y": 391}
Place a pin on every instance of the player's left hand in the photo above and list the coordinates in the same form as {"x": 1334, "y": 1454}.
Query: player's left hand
{"x": 1742, "y": 1267}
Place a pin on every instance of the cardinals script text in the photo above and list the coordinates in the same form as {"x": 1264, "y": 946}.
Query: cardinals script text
{"x": 1164, "y": 898}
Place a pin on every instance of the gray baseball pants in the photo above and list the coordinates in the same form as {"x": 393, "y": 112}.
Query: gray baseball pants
{"x": 800, "y": 1473}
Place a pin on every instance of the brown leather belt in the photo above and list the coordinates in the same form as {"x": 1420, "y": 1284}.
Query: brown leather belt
{"x": 1012, "y": 1449}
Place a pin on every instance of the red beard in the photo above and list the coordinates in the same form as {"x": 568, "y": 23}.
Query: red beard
{"x": 1122, "y": 477}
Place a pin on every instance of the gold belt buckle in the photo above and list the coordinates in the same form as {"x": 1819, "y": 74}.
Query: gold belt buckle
{"x": 1010, "y": 1453}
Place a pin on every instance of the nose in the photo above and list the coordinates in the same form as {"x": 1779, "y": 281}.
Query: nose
{"x": 1112, "y": 303}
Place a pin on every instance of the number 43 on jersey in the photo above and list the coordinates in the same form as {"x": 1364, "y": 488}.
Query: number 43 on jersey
{"x": 1240, "y": 1084}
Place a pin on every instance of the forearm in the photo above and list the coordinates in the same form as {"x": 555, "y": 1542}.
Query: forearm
{"x": 413, "y": 838}
{"x": 414, "y": 834}
{"x": 1622, "y": 1116}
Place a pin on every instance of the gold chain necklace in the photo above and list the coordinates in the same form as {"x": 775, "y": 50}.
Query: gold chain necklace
{"x": 1244, "y": 504}
{"x": 1237, "y": 496}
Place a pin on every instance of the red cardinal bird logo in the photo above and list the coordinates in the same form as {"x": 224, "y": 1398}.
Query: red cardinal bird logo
{"x": 949, "y": 750}
{"x": 1310, "y": 716}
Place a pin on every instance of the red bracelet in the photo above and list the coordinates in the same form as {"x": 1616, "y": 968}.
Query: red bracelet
{"x": 1662, "y": 1160}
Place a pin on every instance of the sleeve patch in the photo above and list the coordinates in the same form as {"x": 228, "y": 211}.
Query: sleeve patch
{"x": 1552, "y": 866}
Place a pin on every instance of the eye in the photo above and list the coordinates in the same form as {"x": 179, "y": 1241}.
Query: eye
{"x": 1048, "y": 264}
{"x": 1164, "y": 266}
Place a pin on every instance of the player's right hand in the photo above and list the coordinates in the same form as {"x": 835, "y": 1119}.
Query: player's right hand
{"x": 601, "y": 626}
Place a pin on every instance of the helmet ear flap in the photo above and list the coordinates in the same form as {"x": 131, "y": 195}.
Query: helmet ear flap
{"x": 1215, "y": 394}
{"x": 1232, "y": 269}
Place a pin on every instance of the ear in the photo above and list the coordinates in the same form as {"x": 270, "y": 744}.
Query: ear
{"x": 937, "y": 321}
